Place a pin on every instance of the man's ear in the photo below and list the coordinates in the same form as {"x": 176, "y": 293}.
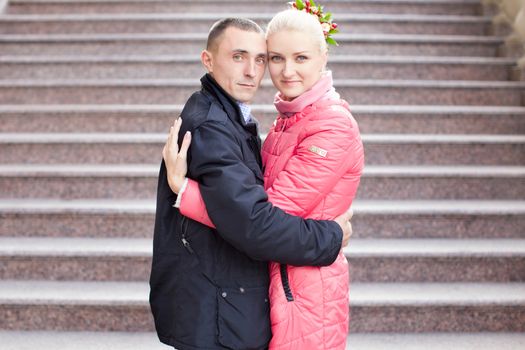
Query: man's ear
{"x": 207, "y": 60}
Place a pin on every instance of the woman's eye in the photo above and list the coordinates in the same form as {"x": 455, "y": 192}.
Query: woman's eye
{"x": 301, "y": 58}
{"x": 275, "y": 58}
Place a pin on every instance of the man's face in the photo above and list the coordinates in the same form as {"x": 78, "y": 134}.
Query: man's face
{"x": 237, "y": 62}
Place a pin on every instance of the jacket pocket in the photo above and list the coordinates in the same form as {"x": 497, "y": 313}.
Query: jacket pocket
{"x": 286, "y": 282}
{"x": 243, "y": 318}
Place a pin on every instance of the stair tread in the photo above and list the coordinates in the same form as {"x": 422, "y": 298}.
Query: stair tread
{"x": 111, "y": 206}
{"x": 386, "y": 109}
{"x": 341, "y": 16}
{"x": 362, "y": 294}
{"x": 362, "y": 37}
{"x": 335, "y": 58}
{"x": 97, "y": 137}
{"x": 51, "y": 340}
{"x": 436, "y": 341}
{"x": 142, "y": 247}
{"x": 151, "y": 170}
{"x": 457, "y": 84}
{"x": 435, "y": 247}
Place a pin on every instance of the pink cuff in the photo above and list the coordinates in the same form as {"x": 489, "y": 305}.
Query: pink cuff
{"x": 192, "y": 205}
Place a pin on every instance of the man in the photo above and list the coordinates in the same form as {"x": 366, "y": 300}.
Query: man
{"x": 209, "y": 286}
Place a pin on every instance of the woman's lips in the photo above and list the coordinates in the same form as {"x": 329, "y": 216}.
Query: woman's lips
{"x": 290, "y": 82}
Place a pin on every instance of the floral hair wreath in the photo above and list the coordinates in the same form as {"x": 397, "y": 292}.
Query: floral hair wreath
{"x": 325, "y": 19}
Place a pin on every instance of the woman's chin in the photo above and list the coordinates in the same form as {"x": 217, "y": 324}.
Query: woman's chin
{"x": 289, "y": 94}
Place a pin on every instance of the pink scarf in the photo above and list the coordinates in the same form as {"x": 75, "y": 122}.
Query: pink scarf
{"x": 322, "y": 90}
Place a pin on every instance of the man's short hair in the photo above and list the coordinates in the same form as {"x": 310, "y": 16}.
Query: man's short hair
{"x": 218, "y": 28}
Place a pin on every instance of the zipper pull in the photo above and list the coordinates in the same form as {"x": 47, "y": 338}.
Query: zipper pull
{"x": 186, "y": 245}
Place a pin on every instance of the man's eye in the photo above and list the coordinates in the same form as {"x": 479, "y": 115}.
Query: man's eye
{"x": 261, "y": 60}
{"x": 237, "y": 57}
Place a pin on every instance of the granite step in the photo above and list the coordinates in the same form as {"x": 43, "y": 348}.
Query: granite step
{"x": 165, "y": 91}
{"x": 394, "y": 119}
{"x": 193, "y": 43}
{"x": 52, "y": 340}
{"x": 436, "y": 260}
{"x": 437, "y": 307}
{"x": 201, "y": 23}
{"x": 380, "y": 149}
{"x": 370, "y": 260}
{"x": 189, "y": 66}
{"x": 63, "y": 181}
{"x": 442, "y": 182}
{"x": 372, "y": 219}
{"x": 464, "y": 7}
{"x": 435, "y": 341}
{"x": 123, "y": 306}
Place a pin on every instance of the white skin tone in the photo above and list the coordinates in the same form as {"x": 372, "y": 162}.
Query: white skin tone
{"x": 238, "y": 66}
{"x": 238, "y": 63}
{"x": 295, "y": 64}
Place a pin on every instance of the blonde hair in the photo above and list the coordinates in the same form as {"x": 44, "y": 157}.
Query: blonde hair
{"x": 300, "y": 21}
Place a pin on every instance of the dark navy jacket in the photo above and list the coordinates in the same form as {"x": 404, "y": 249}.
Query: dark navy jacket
{"x": 209, "y": 288}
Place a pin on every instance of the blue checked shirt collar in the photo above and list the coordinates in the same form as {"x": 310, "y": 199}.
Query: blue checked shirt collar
{"x": 246, "y": 111}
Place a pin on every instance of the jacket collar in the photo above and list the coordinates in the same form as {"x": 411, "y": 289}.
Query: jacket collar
{"x": 228, "y": 103}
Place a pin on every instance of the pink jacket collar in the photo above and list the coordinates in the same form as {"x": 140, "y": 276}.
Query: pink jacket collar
{"x": 321, "y": 90}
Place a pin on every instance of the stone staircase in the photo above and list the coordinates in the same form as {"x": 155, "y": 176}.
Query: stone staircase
{"x": 88, "y": 89}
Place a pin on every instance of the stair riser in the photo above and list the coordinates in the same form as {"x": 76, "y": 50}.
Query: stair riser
{"x": 363, "y": 318}
{"x": 77, "y": 225}
{"x": 252, "y": 7}
{"x": 437, "y": 269}
{"x": 441, "y": 188}
{"x": 441, "y": 124}
{"x": 362, "y": 269}
{"x": 80, "y": 187}
{"x": 430, "y": 225}
{"x": 194, "y": 70}
{"x": 129, "y": 318}
{"x": 445, "y": 154}
{"x": 371, "y": 187}
{"x": 173, "y": 47}
{"x": 202, "y": 26}
{"x": 94, "y": 268}
{"x": 376, "y": 153}
{"x": 436, "y": 318}
{"x": 170, "y": 94}
{"x": 434, "y": 225}
{"x": 369, "y": 123}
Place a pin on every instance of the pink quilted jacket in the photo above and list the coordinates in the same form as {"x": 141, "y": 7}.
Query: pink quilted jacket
{"x": 313, "y": 162}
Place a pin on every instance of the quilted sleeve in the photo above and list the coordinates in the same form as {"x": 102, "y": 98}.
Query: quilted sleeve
{"x": 329, "y": 147}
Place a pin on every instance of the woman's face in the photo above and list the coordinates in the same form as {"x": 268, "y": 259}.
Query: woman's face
{"x": 295, "y": 62}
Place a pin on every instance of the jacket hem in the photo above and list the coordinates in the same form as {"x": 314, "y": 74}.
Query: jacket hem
{"x": 180, "y": 346}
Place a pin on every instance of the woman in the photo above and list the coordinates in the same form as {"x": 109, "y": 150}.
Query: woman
{"x": 313, "y": 159}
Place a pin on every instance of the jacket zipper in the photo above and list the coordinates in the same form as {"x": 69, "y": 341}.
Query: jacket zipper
{"x": 286, "y": 283}
{"x": 184, "y": 228}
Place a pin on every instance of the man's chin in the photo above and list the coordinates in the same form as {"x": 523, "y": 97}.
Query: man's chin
{"x": 244, "y": 98}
